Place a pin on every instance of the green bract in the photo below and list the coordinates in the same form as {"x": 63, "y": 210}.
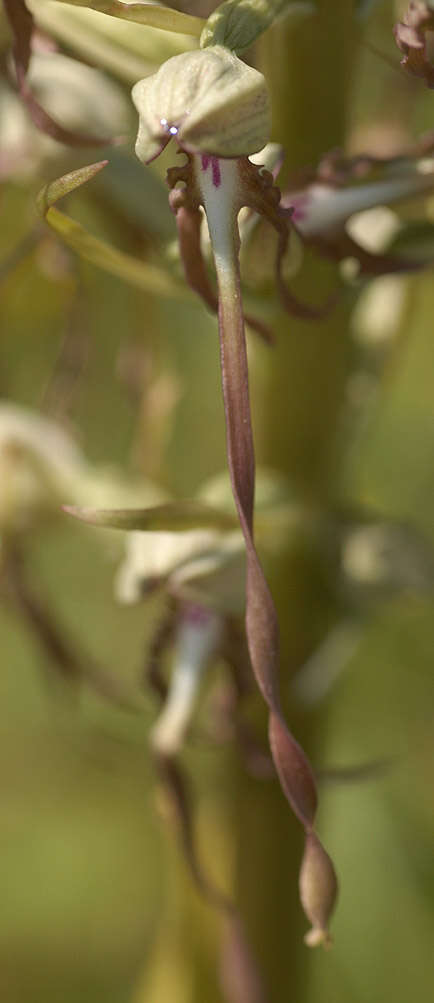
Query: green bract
{"x": 209, "y": 100}
{"x": 238, "y": 23}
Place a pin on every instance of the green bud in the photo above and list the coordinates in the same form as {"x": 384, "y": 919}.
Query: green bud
{"x": 238, "y": 23}
{"x": 208, "y": 100}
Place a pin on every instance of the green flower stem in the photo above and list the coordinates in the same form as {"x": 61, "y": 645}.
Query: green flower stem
{"x": 309, "y": 70}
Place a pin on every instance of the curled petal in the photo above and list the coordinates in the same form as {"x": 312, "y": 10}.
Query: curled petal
{"x": 239, "y": 973}
{"x": 410, "y": 38}
{"x": 189, "y": 222}
{"x": 261, "y": 194}
{"x": 22, "y": 25}
{"x": 293, "y": 305}
{"x": 343, "y": 246}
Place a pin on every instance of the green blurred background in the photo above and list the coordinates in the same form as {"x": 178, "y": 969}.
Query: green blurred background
{"x": 96, "y": 904}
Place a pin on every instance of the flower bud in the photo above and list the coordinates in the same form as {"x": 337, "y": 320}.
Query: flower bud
{"x": 209, "y": 100}
{"x": 318, "y": 890}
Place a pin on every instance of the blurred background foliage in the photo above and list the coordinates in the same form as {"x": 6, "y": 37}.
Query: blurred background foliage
{"x": 96, "y": 904}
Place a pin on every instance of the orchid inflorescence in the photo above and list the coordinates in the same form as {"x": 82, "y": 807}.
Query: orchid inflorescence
{"x": 215, "y": 109}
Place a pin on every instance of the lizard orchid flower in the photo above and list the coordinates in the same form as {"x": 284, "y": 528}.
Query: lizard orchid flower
{"x": 217, "y": 110}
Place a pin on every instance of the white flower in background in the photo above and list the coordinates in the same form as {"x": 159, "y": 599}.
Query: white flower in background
{"x": 197, "y": 638}
{"x": 321, "y": 208}
{"x": 207, "y": 566}
{"x": 42, "y": 469}
{"x": 87, "y": 101}
{"x": 202, "y": 566}
{"x": 40, "y": 466}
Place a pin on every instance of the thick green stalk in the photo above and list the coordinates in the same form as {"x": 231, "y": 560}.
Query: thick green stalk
{"x": 297, "y": 395}
{"x": 309, "y": 71}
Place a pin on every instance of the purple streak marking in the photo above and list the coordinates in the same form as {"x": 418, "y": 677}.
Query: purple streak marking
{"x": 216, "y": 176}
{"x": 215, "y": 167}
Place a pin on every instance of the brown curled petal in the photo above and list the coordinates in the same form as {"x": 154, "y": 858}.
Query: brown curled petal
{"x": 259, "y": 328}
{"x": 410, "y": 37}
{"x": 343, "y": 246}
{"x": 152, "y": 670}
{"x": 22, "y": 26}
{"x": 293, "y": 305}
{"x": 45, "y": 123}
{"x": 261, "y": 195}
{"x": 240, "y": 977}
{"x": 294, "y": 771}
{"x": 177, "y": 790}
{"x": 318, "y": 890}
{"x": 72, "y": 665}
{"x": 189, "y": 222}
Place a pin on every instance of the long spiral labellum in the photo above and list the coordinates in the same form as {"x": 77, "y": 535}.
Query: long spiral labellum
{"x": 218, "y": 181}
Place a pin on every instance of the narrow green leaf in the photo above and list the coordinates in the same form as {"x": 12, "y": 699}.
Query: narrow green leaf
{"x": 57, "y": 189}
{"x": 153, "y": 15}
{"x": 150, "y": 278}
{"x": 173, "y": 517}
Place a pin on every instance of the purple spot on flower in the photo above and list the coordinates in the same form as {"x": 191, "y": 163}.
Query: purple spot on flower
{"x": 216, "y": 176}
{"x": 197, "y": 616}
{"x": 215, "y": 167}
{"x": 300, "y": 205}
